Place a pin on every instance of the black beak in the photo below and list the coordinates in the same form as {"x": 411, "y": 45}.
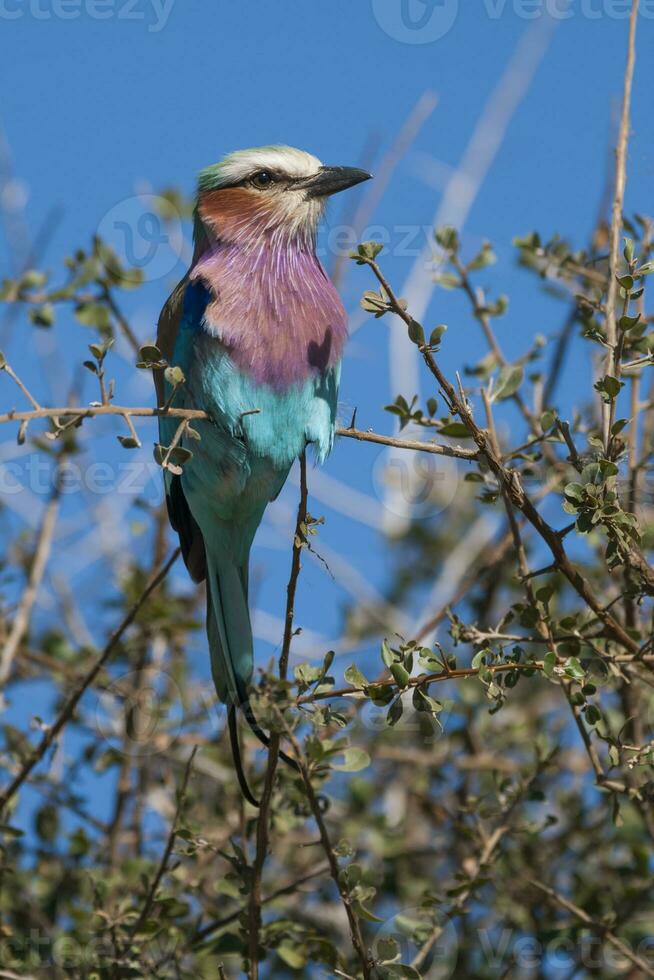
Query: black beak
{"x": 331, "y": 180}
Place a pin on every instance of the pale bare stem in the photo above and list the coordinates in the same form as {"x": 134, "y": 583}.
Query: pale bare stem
{"x": 599, "y": 927}
{"x": 14, "y": 377}
{"x": 70, "y": 706}
{"x": 456, "y": 452}
{"x": 325, "y": 840}
{"x": 509, "y": 480}
{"x": 132, "y": 430}
{"x": 171, "y": 397}
{"x": 616, "y": 219}
{"x": 177, "y": 438}
{"x": 90, "y": 411}
{"x": 28, "y": 598}
{"x": 165, "y": 858}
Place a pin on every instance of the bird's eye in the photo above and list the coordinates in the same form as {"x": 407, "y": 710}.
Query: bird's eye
{"x": 263, "y": 179}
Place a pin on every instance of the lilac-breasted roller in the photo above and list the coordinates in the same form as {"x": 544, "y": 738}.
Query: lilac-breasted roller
{"x": 258, "y": 329}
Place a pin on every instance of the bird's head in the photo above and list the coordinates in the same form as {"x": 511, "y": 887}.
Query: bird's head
{"x": 273, "y": 193}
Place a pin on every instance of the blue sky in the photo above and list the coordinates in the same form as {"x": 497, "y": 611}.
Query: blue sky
{"x": 104, "y": 100}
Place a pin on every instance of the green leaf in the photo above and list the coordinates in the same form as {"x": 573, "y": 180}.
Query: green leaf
{"x": 366, "y": 251}
{"x": 354, "y": 677}
{"x": 592, "y": 714}
{"x": 151, "y": 357}
{"x": 499, "y": 307}
{"x": 388, "y": 656}
{"x": 575, "y": 492}
{"x": 456, "y": 430}
{"x": 628, "y": 251}
{"x": 609, "y": 387}
{"x": 547, "y": 420}
{"x": 447, "y": 237}
{"x": 573, "y": 669}
{"x": 373, "y": 302}
{"x": 401, "y": 676}
{"x": 33, "y": 279}
{"x": 424, "y": 702}
{"x": 394, "y": 713}
{"x": 549, "y": 663}
{"x": 436, "y": 335}
{"x": 354, "y": 760}
{"x": 448, "y": 280}
{"x": 42, "y": 316}
{"x": 93, "y": 315}
{"x": 293, "y": 956}
{"x": 509, "y": 380}
{"x": 485, "y": 258}
{"x": 628, "y": 322}
{"x": 618, "y": 426}
{"x": 416, "y": 333}
{"x": 174, "y": 376}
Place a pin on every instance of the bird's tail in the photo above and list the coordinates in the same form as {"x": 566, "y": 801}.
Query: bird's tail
{"x": 229, "y": 633}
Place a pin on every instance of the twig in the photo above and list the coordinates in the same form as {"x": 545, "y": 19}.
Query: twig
{"x": 28, "y": 598}
{"x": 598, "y": 927}
{"x": 90, "y": 411}
{"x": 121, "y": 320}
{"x": 422, "y": 447}
{"x": 14, "y": 377}
{"x": 206, "y": 931}
{"x": 299, "y": 541}
{"x": 163, "y": 864}
{"x": 314, "y": 803}
{"x": 616, "y": 218}
{"x": 445, "y": 675}
{"x": 508, "y": 480}
{"x": 69, "y": 707}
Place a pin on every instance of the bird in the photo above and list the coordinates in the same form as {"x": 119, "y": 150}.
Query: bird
{"x": 257, "y": 330}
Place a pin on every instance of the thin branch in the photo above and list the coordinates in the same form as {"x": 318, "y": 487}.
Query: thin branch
{"x": 446, "y": 675}
{"x": 616, "y": 218}
{"x": 289, "y": 889}
{"x": 165, "y": 858}
{"x": 28, "y": 598}
{"x": 68, "y": 710}
{"x": 597, "y": 927}
{"x": 316, "y": 809}
{"x": 509, "y": 480}
{"x": 422, "y": 447}
{"x": 299, "y": 541}
{"x": 90, "y": 411}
